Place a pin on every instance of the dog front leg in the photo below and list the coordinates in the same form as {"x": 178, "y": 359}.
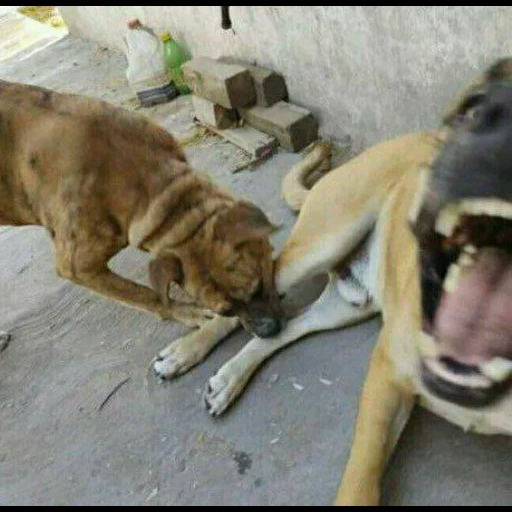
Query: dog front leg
{"x": 330, "y": 311}
{"x": 186, "y": 352}
{"x": 112, "y": 286}
{"x": 385, "y": 408}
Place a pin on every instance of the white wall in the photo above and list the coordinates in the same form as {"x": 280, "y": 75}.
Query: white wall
{"x": 371, "y": 72}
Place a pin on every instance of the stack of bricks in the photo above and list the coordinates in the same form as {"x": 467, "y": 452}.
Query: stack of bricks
{"x": 226, "y": 90}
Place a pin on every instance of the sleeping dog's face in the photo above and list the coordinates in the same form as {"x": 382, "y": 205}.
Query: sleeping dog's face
{"x": 463, "y": 223}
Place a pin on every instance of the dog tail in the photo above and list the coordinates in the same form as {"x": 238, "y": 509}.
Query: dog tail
{"x": 303, "y": 175}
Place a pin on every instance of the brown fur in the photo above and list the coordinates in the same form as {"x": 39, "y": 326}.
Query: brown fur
{"x": 363, "y": 208}
{"x": 100, "y": 178}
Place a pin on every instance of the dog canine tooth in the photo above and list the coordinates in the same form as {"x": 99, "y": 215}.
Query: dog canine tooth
{"x": 448, "y": 220}
{"x": 452, "y": 278}
{"x": 466, "y": 260}
{"x": 498, "y": 369}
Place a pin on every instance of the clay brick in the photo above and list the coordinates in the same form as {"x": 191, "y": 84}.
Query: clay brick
{"x": 270, "y": 86}
{"x": 213, "y": 114}
{"x": 228, "y": 85}
{"x": 256, "y": 143}
{"x": 294, "y": 127}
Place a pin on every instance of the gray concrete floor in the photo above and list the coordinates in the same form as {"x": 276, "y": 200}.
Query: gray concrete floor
{"x": 152, "y": 443}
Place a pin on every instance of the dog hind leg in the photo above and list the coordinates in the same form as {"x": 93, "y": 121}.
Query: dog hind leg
{"x": 330, "y": 311}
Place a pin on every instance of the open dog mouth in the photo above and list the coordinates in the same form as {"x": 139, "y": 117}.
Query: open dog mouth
{"x": 466, "y": 265}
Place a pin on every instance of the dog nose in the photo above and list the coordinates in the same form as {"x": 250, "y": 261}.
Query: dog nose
{"x": 266, "y": 327}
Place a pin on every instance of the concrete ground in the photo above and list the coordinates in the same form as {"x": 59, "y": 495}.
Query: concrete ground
{"x": 284, "y": 443}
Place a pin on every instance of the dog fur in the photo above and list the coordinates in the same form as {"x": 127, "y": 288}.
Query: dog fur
{"x": 100, "y": 178}
{"x": 354, "y": 226}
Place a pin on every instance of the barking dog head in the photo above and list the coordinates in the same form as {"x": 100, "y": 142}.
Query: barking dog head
{"x": 464, "y": 228}
{"x": 227, "y": 268}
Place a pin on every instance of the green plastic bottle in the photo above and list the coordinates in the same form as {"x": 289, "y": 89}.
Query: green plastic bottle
{"x": 175, "y": 56}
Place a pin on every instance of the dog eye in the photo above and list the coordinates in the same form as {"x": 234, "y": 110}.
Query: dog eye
{"x": 473, "y": 113}
{"x": 472, "y": 107}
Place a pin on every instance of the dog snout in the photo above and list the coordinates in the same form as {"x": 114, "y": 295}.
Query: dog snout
{"x": 266, "y": 327}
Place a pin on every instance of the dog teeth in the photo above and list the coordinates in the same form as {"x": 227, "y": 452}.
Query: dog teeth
{"x": 470, "y": 250}
{"x": 491, "y": 207}
{"x": 465, "y": 261}
{"x": 450, "y": 216}
{"x": 455, "y": 271}
{"x": 498, "y": 369}
{"x": 448, "y": 220}
{"x": 452, "y": 278}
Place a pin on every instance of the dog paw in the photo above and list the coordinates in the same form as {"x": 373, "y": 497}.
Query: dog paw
{"x": 181, "y": 355}
{"x": 173, "y": 363}
{"x": 191, "y": 315}
{"x": 5, "y": 338}
{"x": 221, "y": 391}
{"x": 172, "y": 366}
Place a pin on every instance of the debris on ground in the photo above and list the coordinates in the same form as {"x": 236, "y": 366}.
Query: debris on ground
{"x": 46, "y": 14}
{"x": 276, "y": 439}
{"x": 153, "y": 495}
{"x": 296, "y": 385}
{"x": 273, "y": 378}
{"x": 5, "y": 338}
{"x": 112, "y": 393}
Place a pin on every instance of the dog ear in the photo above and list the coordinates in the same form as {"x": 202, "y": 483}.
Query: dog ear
{"x": 241, "y": 223}
{"x": 163, "y": 272}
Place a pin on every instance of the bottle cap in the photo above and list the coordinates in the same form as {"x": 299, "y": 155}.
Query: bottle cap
{"x": 166, "y": 37}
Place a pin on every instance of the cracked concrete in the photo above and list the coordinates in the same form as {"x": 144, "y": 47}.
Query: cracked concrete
{"x": 284, "y": 443}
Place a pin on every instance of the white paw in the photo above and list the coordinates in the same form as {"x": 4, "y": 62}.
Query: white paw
{"x": 221, "y": 391}
{"x": 5, "y": 338}
{"x": 180, "y": 356}
{"x": 172, "y": 366}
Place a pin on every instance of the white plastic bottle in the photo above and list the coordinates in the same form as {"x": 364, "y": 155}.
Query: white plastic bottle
{"x": 147, "y": 73}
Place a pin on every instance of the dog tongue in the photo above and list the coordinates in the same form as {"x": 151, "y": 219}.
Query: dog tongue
{"x": 474, "y": 322}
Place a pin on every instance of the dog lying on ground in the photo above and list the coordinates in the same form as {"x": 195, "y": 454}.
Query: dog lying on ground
{"x": 100, "y": 178}
{"x": 418, "y": 229}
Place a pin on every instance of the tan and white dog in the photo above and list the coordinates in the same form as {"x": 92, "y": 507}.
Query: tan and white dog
{"x": 444, "y": 287}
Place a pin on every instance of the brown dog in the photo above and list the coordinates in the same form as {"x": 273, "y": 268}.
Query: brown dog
{"x": 100, "y": 178}
{"x": 444, "y": 292}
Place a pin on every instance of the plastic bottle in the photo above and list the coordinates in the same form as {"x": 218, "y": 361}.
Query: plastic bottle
{"x": 175, "y": 56}
{"x": 147, "y": 72}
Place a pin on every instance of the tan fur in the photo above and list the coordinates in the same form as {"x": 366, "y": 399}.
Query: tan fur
{"x": 359, "y": 213}
{"x": 295, "y": 191}
{"x": 99, "y": 178}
